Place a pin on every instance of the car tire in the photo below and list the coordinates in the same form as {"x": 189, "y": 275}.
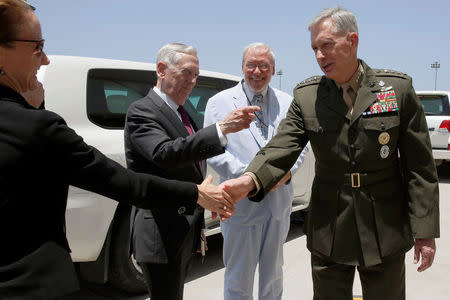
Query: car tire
{"x": 124, "y": 272}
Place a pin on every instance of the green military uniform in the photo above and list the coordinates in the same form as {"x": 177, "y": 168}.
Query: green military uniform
{"x": 376, "y": 186}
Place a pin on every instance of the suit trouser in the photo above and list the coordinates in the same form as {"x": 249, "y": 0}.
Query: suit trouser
{"x": 245, "y": 246}
{"x": 166, "y": 281}
{"x": 335, "y": 281}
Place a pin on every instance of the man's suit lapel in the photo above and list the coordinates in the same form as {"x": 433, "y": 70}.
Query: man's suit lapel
{"x": 240, "y": 100}
{"x": 175, "y": 122}
{"x": 366, "y": 93}
{"x": 202, "y": 170}
{"x": 168, "y": 113}
{"x": 331, "y": 97}
{"x": 274, "y": 112}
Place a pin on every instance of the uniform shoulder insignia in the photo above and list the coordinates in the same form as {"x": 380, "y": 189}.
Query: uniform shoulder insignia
{"x": 311, "y": 80}
{"x": 390, "y": 73}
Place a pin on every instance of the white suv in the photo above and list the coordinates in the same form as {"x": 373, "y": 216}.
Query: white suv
{"x": 93, "y": 96}
{"x": 437, "y": 113}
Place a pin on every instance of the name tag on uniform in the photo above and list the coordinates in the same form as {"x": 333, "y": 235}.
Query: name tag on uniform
{"x": 386, "y": 102}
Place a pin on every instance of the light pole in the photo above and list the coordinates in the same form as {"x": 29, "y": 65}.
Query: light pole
{"x": 280, "y": 73}
{"x": 436, "y": 65}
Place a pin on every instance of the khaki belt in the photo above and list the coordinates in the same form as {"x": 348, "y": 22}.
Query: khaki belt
{"x": 357, "y": 179}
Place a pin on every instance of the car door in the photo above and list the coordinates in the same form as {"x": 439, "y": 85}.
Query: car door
{"x": 436, "y": 107}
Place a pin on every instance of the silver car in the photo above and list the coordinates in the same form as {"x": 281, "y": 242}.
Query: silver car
{"x": 437, "y": 112}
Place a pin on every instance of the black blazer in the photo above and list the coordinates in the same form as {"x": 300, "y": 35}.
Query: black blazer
{"x": 39, "y": 157}
{"x": 157, "y": 142}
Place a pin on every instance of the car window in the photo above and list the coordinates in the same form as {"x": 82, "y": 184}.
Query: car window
{"x": 435, "y": 104}
{"x": 205, "y": 88}
{"x": 111, "y": 91}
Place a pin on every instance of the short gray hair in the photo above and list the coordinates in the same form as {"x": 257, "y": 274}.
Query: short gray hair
{"x": 171, "y": 54}
{"x": 259, "y": 45}
{"x": 344, "y": 20}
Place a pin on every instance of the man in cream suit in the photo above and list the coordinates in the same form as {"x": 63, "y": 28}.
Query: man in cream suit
{"x": 257, "y": 231}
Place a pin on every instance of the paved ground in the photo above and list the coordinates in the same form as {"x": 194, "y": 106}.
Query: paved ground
{"x": 431, "y": 284}
{"x": 206, "y": 280}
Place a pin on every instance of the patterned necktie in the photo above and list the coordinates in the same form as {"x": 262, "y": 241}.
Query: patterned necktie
{"x": 185, "y": 119}
{"x": 187, "y": 125}
{"x": 260, "y": 123}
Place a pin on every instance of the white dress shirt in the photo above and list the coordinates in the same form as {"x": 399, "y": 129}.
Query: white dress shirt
{"x": 174, "y": 107}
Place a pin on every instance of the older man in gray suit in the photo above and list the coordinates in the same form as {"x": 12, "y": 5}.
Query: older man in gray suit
{"x": 160, "y": 138}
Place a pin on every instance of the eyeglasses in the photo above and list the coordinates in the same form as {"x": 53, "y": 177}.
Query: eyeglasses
{"x": 39, "y": 44}
{"x": 262, "y": 66}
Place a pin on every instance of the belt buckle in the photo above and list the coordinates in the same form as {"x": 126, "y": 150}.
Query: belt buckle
{"x": 355, "y": 177}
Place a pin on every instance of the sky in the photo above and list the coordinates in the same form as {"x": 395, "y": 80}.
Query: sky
{"x": 406, "y": 36}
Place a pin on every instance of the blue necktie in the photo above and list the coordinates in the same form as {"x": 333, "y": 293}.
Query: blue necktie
{"x": 260, "y": 123}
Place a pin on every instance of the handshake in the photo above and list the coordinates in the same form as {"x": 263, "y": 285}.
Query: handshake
{"x": 221, "y": 199}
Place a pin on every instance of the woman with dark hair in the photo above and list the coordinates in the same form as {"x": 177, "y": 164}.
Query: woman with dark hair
{"x": 40, "y": 156}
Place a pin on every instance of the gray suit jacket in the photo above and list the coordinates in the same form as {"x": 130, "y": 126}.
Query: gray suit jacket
{"x": 156, "y": 142}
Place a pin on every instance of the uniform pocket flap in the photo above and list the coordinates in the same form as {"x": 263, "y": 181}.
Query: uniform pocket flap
{"x": 322, "y": 125}
{"x": 381, "y": 123}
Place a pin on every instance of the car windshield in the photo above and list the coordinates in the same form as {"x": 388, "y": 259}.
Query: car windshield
{"x": 435, "y": 104}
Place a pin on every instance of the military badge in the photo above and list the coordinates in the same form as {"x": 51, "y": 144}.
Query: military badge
{"x": 384, "y": 151}
{"x": 384, "y": 138}
{"x": 386, "y": 102}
